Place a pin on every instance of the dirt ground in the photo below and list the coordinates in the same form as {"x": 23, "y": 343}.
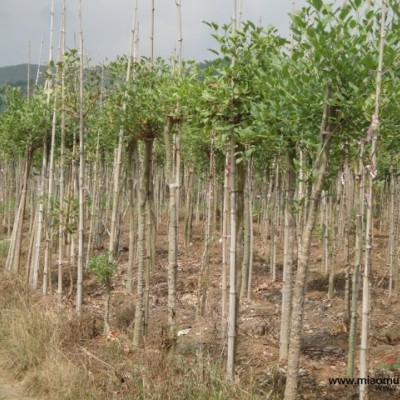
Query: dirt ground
{"x": 325, "y": 336}
{"x": 324, "y": 349}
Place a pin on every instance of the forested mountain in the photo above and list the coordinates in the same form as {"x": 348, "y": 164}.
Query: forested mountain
{"x": 17, "y": 75}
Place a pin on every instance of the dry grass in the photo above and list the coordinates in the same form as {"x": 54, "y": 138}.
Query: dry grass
{"x": 38, "y": 341}
{"x": 4, "y": 245}
{"x": 61, "y": 356}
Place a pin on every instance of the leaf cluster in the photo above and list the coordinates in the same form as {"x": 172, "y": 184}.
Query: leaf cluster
{"x": 102, "y": 268}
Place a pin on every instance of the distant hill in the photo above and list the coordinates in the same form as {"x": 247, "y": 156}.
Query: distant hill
{"x": 17, "y": 75}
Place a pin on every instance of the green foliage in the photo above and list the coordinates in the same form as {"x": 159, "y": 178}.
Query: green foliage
{"x": 141, "y": 104}
{"x": 4, "y": 245}
{"x": 24, "y": 123}
{"x": 395, "y": 366}
{"x": 71, "y": 209}
{"x": 231, "y": 83}
{"x": 269, "y": 92}
{"x": 102, "y": 269}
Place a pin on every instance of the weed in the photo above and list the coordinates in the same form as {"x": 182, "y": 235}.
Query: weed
{"x": 4, "y": 246}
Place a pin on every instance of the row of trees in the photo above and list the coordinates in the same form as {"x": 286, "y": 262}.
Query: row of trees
{"x": 248, "y": 142}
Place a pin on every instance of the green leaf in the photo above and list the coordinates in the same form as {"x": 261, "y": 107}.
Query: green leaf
{"x": 344, "y": 13}
{"x": 214, "y": 51}
{"x": 299, "y": 21}
{"x": 317, "y": 4}
{"x": 254, "y": 111}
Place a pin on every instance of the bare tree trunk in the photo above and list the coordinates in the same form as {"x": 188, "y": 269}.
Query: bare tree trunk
{"x": 14, "y": 253}
{"x": 358, "y": 205}
{"x": 244, "y": 279}
{"x": 289, "y": 240}
{"x": 95, "y": 202}
{"x": 233, "y": 298}
{"x": 331, "y": 245}
{"x": 303, "y": 258}
{"x": 250, "y": 178}
{"x": 151, "y": 236}
{"x": 325, "y": 224}
{"x": 142, "y": 256}
{"x": 133, "y": 170}
{"x": 49, "y": 206}
{"x": 39, "y": 227}
{"x": 172, "y": 231}
{"x": 233, "y": 303}
{"x": 241, "y": 178}
{"x": 189, "y": 209}
{"x": 392, "y": 264}
{"x": 346, "y": 230}
{"x": 225, "y": 237}
{"x": 204, "y": 270}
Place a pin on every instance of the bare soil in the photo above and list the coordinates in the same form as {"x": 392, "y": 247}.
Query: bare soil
{"x": 325, "y": 336}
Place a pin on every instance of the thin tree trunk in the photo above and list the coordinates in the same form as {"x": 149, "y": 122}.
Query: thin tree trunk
{"x": 49, "y": 206}
{"x": 303, "y": 258}
{"x": 288, "y": 241}
{"x": 225, "y": 248}
{"x": 274, "y": 227}
{"x": 172, "y": 231}
{"x": 133, "y": 170}
{"x": 204, "y": 270}
{"x": 393, "y": 269}
{"x": 39, "y": 228}
{"x": 250, "y": 178}
{"x": 14, "y": 254}
{"x": 143, "y": 194}
{"x": 244, "y": 279}
{"x": 232, "y": 317}
{"x": 346, "y": 230}
{"x": 150, "y": 232}
{"x": 189, "y": 209}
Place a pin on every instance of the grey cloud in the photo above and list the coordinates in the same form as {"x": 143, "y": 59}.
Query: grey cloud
{"x": 107, "y": 25}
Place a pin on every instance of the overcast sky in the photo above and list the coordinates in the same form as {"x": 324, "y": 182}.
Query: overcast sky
{"x": 107, "y": 24}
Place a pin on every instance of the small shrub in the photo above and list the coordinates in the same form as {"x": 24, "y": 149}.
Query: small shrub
{"x": 102, "y": 269}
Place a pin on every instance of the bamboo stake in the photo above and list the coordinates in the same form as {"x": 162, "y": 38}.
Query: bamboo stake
{"x": 62, "y": 162}
{"x": 232, "y": 316}
{"x": 40, "y": 61}
{"x": 81, "y": 182}
{"x": 28, "y": 85}
{"x": 372, "y": 173}
{"x": 113, "y": 244}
